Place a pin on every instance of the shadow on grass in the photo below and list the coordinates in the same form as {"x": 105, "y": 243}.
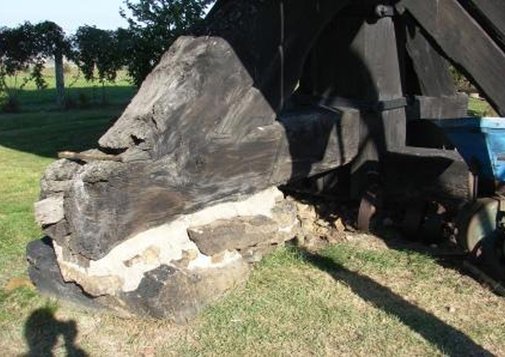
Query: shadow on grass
{"x": 42, "y": 331}
{"x": 446, "y": 338}
{"x": 47, "y": 133}
{"x": 42, "y": 130}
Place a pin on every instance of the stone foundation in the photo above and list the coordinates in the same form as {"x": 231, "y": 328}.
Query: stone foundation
{"x": 171, "y": 271}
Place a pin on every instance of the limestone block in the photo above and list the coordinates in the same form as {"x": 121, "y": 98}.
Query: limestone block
{"x": 49, "y": 211}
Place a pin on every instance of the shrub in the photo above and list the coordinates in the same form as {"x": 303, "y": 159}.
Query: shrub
{"x": 10, "y": 104}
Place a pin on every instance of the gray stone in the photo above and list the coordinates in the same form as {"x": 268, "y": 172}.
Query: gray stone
{"x": 45, "y": 274}
{"x": 50, "y": 210}
{"x": 236, "y": 234}
{"x": 171, "y": 293}
{"x": 57, "y": 177}
{"x": 243, "y": 233}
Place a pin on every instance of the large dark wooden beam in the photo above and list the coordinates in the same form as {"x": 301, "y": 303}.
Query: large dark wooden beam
{"x": 112, "y": 201}
{"x": 429, "y": 174}
{"x": 491, "y": 15}
{"x": 431, "y": 69}
{"x": 356, "y": 61}
{"x": 445, "y": 107}
{"x": 459, "y": 36}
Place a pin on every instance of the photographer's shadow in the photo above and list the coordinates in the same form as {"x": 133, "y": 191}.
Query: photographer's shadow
{"x": 42, "y": 331}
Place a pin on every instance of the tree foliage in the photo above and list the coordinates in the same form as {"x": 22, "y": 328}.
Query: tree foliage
{"x": 26, "y": 47}
{"x": 100, "y": 54}
{"x": 153, "y": 27}
{"x": 29, "y": 45}
{"x": 16, "y": 51}
{"x": 96, "y": 53}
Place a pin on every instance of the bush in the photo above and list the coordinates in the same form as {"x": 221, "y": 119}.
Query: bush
{"x": 461, "y": 82}
{"x": 10, "y": 104}
{"x": 83, "y": 100}
{"x": 69, "y": 103}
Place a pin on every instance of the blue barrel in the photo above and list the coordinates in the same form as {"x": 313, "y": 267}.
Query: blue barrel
{"x": 479, "y": 140}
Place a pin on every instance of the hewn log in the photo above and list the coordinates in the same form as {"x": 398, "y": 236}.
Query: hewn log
{"x": 109, "y": 202}
{"x": 202, "y": 128}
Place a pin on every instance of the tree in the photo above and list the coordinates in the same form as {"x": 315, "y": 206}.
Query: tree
{"x": 97, "y": 54}
{"x": 50, "y": 41}
{"x": 28, "y": 46}
{"x": 153, "y": 27}
{"x": 16, "y": 54}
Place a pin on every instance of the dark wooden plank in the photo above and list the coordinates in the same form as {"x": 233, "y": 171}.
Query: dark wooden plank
{"x": 428, "y": 174}
{"x": 450, "y": 107}
{"x": 431, "y": 69}
{"x": 491, "y": 15}
{"x": 464, "y": 42}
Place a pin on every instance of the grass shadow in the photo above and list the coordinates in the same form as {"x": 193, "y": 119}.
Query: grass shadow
{"x": 45, "y": 134}
{"x": 43, "y": 130}
{"x": 446, "y": 338}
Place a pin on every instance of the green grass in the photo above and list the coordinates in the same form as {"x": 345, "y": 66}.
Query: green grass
{"x": 29, "y": 142}
{"x": 481, "y": 108}
{"x": 354, "y": 298}
{"x": 79, "y": 92}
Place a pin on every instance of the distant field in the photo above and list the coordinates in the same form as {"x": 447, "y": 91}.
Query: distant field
{"x": 79, "y": 92}
{"x": 358, "y": 297}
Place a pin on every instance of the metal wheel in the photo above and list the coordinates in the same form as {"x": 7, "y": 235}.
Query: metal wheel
{"x": 479, "y": 234}
{"x": 476, "y": 222}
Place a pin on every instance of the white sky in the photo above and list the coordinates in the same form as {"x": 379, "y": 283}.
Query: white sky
{"x": 69, "y": 14}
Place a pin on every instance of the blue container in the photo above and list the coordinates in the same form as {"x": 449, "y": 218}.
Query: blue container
{"x": 481, "y": 141}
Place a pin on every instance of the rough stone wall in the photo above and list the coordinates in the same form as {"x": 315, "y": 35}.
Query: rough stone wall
{"x": 174, "y": 270}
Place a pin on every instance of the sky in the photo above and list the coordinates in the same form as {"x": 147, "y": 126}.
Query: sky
{"x": 69, "y": 14}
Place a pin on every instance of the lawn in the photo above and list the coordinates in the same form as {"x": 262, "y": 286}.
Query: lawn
{"x": 358, "y": 297}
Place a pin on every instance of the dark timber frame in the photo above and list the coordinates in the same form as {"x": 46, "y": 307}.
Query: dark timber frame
{"x": 271, "y": 92}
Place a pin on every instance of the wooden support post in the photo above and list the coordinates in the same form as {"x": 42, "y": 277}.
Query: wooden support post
{"x": 60, "y": 79}
{"x": 431, "y": 69}
{"x": 357, "y": 60}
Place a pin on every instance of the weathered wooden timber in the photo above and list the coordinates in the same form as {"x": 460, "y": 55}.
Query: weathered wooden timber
{"x": 427, "y": 174}
{"x": 491, "y": 16}
{"x": 430, "y": 68}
